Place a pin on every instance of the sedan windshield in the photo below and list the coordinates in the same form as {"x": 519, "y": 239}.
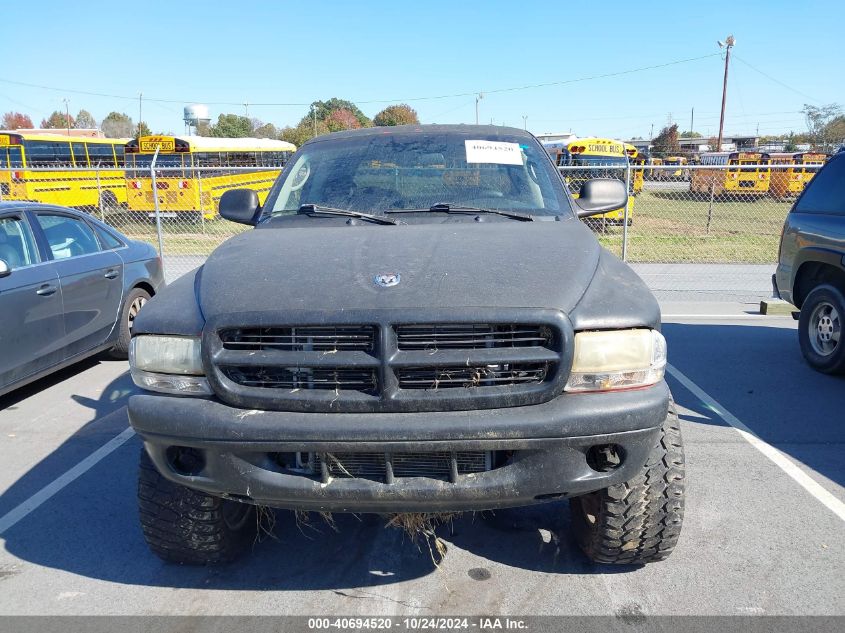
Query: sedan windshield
{"x": 379, "y": 173}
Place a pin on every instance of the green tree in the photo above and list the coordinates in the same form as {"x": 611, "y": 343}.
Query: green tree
{"x": 401, "y": 114}
{"x": 790, "y": 145}
{"x": 342, "y": 119}
{"x": 818, "y": 120}
{"x": 264, "y": 130}
{"x": 325, "y": 108}
{"x": 57, "y": 121}
{"x": 666, "y": 143}
{"x": 690, "y": 135}
{"x": 303, "y": 132}
{"x": 16, "y": 121}
{"x": 84, "y": 120}
{"x": 231, "y": 126}
{"x": 835, "y": 131}
{"x": 142, "y": 130}
{"x": 118, "y": 125}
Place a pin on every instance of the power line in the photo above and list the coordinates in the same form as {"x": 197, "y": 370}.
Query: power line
{"x": 370, "y": 101}
{"x": 777, "y": 81}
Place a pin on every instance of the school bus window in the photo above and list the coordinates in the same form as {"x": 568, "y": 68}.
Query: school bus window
{"x": 11, "y": 157}
{"x": 119, "y": 155}
{"x": 79, "y": 155}
{"x": 100, "y": 155}
{"x": 207, "y": 159}
{"x": 46, "y": 154}
{"x": 241, "y": 159}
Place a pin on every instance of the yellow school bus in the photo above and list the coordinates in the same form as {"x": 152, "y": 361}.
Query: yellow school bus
{"x": 183, "y": 189}
{"x": 654, "y": 173}
{"x": 600, "y": 158}
{"x": 788, "y": 182}
{"x": 37, "y": 167}
{"x": 728, "y": 175}
{"x": 637, "y": 162}
{"x": 679, "y": 173}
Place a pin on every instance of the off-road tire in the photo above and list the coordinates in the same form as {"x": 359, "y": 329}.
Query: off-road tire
{"x": 637, "y": 521}
{"x": 120, "y": 350}
{"x": 187, "y": 526}
{"x": 820, "y": 296}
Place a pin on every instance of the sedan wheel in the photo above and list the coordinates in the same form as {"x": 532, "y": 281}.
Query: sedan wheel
{"x": 134, "y": 308}
{"x": 132, "y": 305}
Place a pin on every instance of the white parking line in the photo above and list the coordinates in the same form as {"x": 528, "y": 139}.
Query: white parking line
{"x": 775, "y": 456}
{"x": 20, "y": 511}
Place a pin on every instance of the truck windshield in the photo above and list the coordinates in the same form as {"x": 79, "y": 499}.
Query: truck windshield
{"x": 375, "y": 173}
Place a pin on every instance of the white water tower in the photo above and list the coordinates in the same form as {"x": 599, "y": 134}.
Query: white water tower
{"x": 194, "y": 115}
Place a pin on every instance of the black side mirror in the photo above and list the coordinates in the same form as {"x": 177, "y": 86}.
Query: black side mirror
{"x": 600, "y": 195}
{"x": 241, "y": 206}
{"x": 5, "y": 269}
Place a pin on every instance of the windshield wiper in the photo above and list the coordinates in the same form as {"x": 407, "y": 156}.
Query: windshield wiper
{"x": 319, "y": 210}
{"x": 445, "y": 207}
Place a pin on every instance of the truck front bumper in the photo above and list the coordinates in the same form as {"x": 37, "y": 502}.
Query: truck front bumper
{"x": 543, "y": 452}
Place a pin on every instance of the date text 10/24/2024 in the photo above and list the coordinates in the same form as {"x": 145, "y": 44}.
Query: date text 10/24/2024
{"x": 419, "y": 624}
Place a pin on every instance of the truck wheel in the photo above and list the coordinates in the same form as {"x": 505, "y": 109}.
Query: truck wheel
{"x": 820, "y": 329}
{"x": 637, "y": 521}
{"x": 135, "y": 300}
{"x": 187, "y": 526}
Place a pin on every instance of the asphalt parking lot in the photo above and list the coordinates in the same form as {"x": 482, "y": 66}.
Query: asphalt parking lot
{"x": 763, "y": 532}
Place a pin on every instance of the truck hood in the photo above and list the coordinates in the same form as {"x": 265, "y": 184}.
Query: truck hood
{"x": 543, "y": 264}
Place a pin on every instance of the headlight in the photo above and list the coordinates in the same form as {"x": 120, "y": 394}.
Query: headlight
{"x": 170, "y": 364}
{"x": 619, "y": 359}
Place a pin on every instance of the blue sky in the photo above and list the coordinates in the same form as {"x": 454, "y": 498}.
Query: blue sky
{"x": 297, "y": 52}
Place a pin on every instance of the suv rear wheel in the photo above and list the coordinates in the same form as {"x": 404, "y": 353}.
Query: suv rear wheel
{"x": 637, "y": 521}
{"x": 820, "y": 329}
{"x": 187, "y": 526}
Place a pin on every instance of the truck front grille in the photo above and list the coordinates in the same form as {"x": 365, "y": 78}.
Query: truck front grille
{"x": 436, "y": 336}
{"x": 320, "y": 338}
{"x": 385, "y": 467}
{"x": 506, "y": 374}
{"x": 295, "y": 378}
{"x": 390, "y": 367}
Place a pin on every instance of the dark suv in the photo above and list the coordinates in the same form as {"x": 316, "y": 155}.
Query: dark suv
{"x": 419, "y": 323}
{"x": 811, "y": 266}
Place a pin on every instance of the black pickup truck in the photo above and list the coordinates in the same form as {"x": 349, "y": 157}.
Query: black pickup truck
{"x": 418, "y": 323}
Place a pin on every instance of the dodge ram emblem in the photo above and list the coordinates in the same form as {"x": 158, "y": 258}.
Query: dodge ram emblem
{"x": 386, "y": 280}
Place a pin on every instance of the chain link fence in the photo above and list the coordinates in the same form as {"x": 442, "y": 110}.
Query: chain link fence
{"x": 690, "y": 231}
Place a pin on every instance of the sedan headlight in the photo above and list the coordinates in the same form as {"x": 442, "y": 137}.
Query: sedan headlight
{"x": 618, "y": 359}
{"x": 169, "y": 364}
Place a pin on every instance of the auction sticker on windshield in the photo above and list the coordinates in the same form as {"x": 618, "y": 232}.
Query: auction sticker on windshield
{"x": 495, "y": 152}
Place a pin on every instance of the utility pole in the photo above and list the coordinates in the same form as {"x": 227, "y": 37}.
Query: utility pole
{"x": 67, "y": 114}
{"x": 478, "y": 98}
{"x": 525, "y": 122}
{"x": 140, "y": 111}
{"x": 728, "y": 44}
{"x": 651, "y": 134}
{"x": 691, "y": 121}
{"x": 246, "y": 110}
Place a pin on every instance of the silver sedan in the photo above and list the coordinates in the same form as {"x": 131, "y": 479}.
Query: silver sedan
{"x": 70, "y": 287}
